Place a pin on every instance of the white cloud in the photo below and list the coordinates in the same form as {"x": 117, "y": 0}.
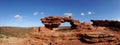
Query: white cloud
{"x": 42, "y": 13}
{"x": 67, "y": 14}
{"x": 118, "y": 20}
{"x": 18, "y": 17}
{"x": 82, "y": 14}
{"x": 89, "y": 13}
{"x": 35, "y": 13}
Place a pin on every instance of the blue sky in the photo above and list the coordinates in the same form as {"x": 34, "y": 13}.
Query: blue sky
{"x": 27, "y": 13}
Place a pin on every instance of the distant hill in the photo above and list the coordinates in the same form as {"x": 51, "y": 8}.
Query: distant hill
{"x": 15, "y": 31}
{"x": 22, "y": 31}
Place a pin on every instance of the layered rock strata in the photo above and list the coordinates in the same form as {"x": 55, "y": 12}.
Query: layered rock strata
{"x": 54, "y": 22}
{"x": 106, "y": 23}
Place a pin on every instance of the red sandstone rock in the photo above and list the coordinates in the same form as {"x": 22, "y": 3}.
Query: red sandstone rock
{"x": 106, "y": 23}
{"x": 49, "y": 37}
{"x": 96, "y": 37}
{"x": 76, "y": 35}
{"x": 86, "y": 25}
{"x": 54, "y": 21}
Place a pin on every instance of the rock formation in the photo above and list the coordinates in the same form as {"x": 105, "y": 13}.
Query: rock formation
{"x": 50, "y": 37}
{"x": 106, "y": 23}
{"x": 79, "y": 34}
{"x": 95, "y": 37}
{"x": 54, "y": 22}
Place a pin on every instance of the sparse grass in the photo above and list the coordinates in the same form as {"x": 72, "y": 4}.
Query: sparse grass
{"x": 63, "y": 28}
{"x": 1, "y": 36}
{"x": 15, "y": 31}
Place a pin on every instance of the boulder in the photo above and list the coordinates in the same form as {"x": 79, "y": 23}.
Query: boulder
{"x": 95, "y": 37}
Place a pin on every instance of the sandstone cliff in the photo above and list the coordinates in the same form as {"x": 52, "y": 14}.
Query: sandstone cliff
{"x": 79, "y": 34}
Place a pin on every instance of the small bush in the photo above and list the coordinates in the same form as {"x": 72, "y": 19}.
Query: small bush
{"x": 1, "y": 36}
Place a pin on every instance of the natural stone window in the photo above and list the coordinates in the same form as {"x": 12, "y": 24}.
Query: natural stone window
{"x": 54, "y": 22}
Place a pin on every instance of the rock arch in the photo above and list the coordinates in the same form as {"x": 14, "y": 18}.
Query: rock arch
{"x": 54, "y": 22}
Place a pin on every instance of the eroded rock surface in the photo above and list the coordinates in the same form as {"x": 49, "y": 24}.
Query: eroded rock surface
{"x": 95, "y": 37}
{"x": 106, "y": 23}
{"x": 54, "y": 22}
{"x": 51, "y": 37}
{"x": 79, "y": 34}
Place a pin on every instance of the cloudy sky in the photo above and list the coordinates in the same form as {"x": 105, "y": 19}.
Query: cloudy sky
{"x": 28, "y": 12}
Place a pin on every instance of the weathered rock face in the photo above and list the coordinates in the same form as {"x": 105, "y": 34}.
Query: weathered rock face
{"x": 80, "y": 34}
{"x": 106, "y": 23}
{"x": 54, "y": 21}
{"x": 95, "y": 37}
{"x": 86, "y": 25}
{"x": 51, "y": 37}
{"x": 44, "y": 36}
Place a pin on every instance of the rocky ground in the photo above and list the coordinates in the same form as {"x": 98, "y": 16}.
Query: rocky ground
{"x": 12, "y": 41}
{"x": 44, "y": 36}
{"x": 78, "y": 34}
{"x": 99, "y": 36}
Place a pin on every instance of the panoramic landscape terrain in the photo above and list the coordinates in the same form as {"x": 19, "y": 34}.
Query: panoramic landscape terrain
{"x": 59, "y": 22}
{"x": 101, "y": 32}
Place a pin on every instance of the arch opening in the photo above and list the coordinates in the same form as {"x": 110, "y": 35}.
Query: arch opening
{"x": 55, "y": 21}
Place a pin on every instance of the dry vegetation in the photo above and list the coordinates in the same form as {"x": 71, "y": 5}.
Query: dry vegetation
{"x": 14, "y": 35}
{"x": 20, "y": 32}
{"x": 23, "y": 32}
{"x": 63, "y": 28}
